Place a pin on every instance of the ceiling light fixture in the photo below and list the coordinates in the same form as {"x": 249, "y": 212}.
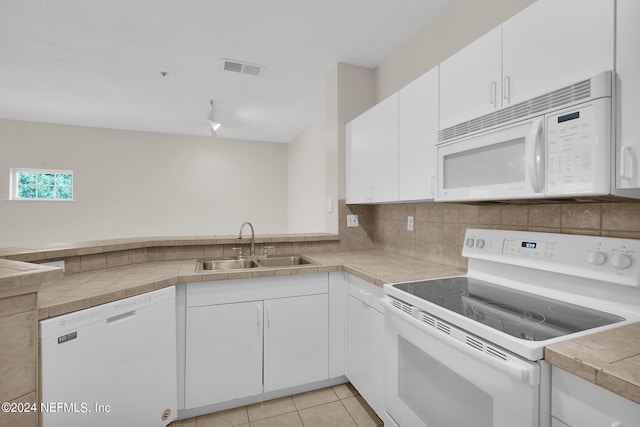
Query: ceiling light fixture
{"x": 215, "y": 125}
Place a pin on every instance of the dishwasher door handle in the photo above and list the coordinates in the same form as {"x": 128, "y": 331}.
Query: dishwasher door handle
{"x": 121, "y": 318}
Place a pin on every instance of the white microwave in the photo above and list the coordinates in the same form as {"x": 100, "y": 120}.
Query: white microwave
{"x": 556, "y": 145}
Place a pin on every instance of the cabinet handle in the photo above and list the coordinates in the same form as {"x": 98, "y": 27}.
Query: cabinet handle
{"x": 433, "y": 190}
{"x": 259, "y": 315}
{"x": 367, "y": 294}
{"x": 493, "y": 89}
{"x": 506, "y": 89}
{"x": 626, "y": 151}
{"x": 268, "y": 315}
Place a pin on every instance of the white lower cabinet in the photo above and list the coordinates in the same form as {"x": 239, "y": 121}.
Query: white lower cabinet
{"x": 224, "y": 352}
{"x": 365, "y": 334}
{"x": 249, "y": 336}
{"x": 576, "y": 402}
{"x": 296, "y": 335}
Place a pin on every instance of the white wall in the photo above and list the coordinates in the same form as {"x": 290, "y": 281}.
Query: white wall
{"x": 459, "y": 23}
{"x": 306, "y": 172}
{"x": 131, "y": 183}
{"x": 356, "y": 94}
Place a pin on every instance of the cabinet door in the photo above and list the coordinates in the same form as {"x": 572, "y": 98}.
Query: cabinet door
{"x": 384, "y": 150}
{"x": 224, "y": 353}
{"x": 365, "y": 334}
{"x": 418, "y": 127}
{"x": 555, "y": 43}
{"x": 470, "y": 80}
{"x": 579, "y": 403}
{"x": 338, "y": 288}
{"x": 296, "y": 341}
{"x": 628, "y": 108}
{"x": 358, "y": 163}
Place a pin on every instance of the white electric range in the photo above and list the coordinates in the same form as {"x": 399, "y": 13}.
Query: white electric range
{"x": 468, "y": 350}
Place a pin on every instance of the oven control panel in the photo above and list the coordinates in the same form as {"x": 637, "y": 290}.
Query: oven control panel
{"x": 530, "y": 248}
{"x": 603, "y": 258}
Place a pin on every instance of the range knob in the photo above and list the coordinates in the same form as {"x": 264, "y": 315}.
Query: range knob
{"x": 596, "y": 257}
{"x": 619, "y": 260}
{"x": 469, "y": 242}
{"x": 479, "y": 243}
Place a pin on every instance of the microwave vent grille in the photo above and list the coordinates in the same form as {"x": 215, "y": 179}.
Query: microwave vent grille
{"x": 558, "y": 98}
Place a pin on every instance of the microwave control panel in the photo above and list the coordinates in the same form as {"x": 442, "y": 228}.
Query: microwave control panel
{"x": 578, "y": 142}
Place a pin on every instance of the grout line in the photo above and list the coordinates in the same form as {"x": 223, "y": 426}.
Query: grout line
{"x": 351, "y": 416}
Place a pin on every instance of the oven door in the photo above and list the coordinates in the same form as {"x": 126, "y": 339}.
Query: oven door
{"x": 504, "y": 163}
{"x": 438, "y": 376}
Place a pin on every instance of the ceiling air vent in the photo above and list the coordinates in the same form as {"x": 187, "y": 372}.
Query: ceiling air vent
{"x": 242, "y": 67}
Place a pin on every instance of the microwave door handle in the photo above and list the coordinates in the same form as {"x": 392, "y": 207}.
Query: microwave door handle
{"x": 535, "y": 156}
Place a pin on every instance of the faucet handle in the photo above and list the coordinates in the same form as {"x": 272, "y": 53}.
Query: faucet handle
{"x": 265, "y": 251}
{"x": 239, "y": 250}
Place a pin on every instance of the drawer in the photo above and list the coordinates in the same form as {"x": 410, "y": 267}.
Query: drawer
{"x": 255, "y": 289}
{"x": 366, "y": 292}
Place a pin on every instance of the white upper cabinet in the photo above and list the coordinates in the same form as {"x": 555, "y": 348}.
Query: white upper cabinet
{"x": 372, "y": 154}
{"x": 418, "y": 127}
{"x": 628, "y": 88}
{"x": 384, "y": 150}
{"x": 549, "y": 45}
{"x": 555, "y": 43}
{"x": 358, "y": 159}
{"x": 470, "y": 80}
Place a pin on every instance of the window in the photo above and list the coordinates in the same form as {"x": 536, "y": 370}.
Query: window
{"x": 41, "y": 184}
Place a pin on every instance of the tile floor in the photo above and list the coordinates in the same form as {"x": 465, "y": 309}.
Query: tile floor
{"x": 337, "y": 406}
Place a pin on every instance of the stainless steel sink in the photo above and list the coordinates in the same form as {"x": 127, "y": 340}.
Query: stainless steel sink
{"x": 284, "y": 261}
{"x": 225, "y": 264}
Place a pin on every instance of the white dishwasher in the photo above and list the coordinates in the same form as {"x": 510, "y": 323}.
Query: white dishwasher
{"x": 114, "y": 364}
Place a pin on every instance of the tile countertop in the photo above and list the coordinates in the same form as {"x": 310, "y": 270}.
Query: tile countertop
{"x": 83, "y": 290}
{"x": 610, "y": 359}
{"x": 63, "y": 250}
{"x": 17, "y": 278}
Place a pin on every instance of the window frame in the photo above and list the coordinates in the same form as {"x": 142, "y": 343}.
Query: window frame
{"x": 14, "y": 184}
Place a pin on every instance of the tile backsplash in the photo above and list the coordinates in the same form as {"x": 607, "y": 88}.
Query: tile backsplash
{"x": 439, "y": 228}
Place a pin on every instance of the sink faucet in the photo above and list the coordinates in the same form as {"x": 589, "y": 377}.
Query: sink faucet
{"x": 253, "y": 238}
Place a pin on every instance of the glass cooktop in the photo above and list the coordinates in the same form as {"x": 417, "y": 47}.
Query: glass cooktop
{"x": 517, "y": 313}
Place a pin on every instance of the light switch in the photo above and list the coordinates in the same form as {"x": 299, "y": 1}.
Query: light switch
{"x": 410, "y": 223}
{"x": 352, "y": 220}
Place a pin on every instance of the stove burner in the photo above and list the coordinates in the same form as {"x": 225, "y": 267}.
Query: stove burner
{"x": 506, "y": 313}
{"x": 441, "y": 290}
{"x": 575, "y": 313}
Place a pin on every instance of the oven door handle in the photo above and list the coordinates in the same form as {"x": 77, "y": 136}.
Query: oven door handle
{"x": 514, "y": 368}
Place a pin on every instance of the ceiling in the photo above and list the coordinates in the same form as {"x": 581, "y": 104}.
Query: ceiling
{"x": 100, "y": 63}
